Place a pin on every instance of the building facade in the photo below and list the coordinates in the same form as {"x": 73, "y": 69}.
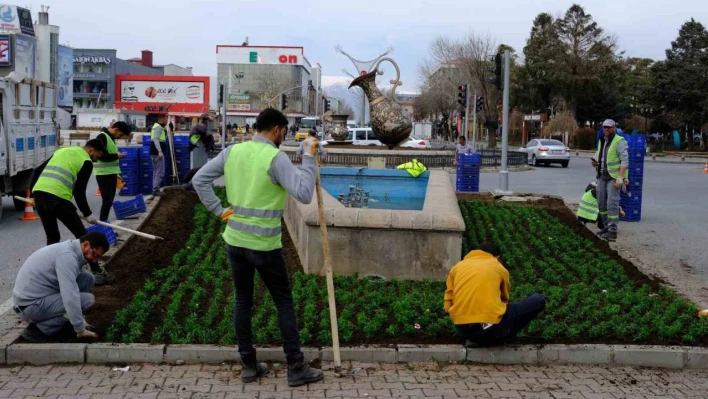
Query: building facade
{"x": 255, "y": 76}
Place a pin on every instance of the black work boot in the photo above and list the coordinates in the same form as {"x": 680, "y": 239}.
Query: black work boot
{"x": 300, "y": 373}
{"x": 33, "y": 334}
{"x": 609, "y": 236}
{"x": 252, "y": 370}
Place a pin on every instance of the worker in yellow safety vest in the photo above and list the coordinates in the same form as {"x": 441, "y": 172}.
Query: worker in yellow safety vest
{"x": 611, "y": 162}
{"x": 107, "y": 168}
{"x": 414, "y": 167}
{"x": 258, "y": 178}
{"x": 62, "y": 177}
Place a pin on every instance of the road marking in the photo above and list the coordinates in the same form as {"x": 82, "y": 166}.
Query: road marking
{"x": 6, "y": 306}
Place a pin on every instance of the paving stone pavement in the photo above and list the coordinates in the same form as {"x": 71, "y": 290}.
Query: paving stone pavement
{"x": 364, "y": 380}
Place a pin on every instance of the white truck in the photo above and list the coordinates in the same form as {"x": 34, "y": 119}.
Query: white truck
{"x": 29, "y": 134}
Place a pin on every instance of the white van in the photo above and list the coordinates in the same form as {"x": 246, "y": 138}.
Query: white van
{"x": 363, "y": 136}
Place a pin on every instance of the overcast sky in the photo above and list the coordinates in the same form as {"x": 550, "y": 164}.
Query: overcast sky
{"x": 186, "y": 32}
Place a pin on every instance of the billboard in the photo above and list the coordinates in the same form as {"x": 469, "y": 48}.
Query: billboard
{"x": 5, "y": 50}
{"x": 25, "y": 55}
{"x": 16, "y": 19}
{"x": 162, "y": 91}
{"x": 65, "y": 60}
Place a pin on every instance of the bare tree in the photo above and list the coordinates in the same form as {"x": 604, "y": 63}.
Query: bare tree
{"x": 270, "y": 85}
{"x": 465, "y": 60}
{"x": 357, "y": 98}
{"x": 345, "y": 109}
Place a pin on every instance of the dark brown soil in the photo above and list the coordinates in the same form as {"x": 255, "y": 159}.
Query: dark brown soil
{"x": 140, "y": 257}
{"x": 556, "y": 207}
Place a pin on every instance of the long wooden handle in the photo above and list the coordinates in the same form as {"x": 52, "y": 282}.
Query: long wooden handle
{"x": 113, "y": 226}
{"x": 328, "y": 272}
{"x": 131, "y": 231}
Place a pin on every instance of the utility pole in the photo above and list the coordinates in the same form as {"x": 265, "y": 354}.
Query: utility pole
{"x": 466, "y": 110}
{"x": 474, "y": 125}
{"x": 504, "y": 173}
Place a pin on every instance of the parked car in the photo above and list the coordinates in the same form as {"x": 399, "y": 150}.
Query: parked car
{"x": 364, "y": 136}
{"x": 413, "y": 142}
{"x": 545, "y": 151}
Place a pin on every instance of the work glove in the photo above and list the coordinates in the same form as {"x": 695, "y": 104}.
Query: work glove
{"x": 86, "y": 334}
{"x": 91, "y": 219}
{"x": 227, "y": 214}
{"x": 310, "y": 146}
{"x": 619, "y": 182}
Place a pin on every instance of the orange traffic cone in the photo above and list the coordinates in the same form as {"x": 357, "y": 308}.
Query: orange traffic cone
{"x": 98, "y": 192}
{"x": 705, "y": 170}
{"x": 29, "y": 210}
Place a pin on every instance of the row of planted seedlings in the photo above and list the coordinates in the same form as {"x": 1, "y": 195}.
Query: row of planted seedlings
{"x": 590, "y": 296}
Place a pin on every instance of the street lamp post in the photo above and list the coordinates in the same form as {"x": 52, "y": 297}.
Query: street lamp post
{"x": 225, "y": 100}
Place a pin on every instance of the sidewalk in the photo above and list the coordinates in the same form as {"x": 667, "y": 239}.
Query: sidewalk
{"x": 366, "y": 380}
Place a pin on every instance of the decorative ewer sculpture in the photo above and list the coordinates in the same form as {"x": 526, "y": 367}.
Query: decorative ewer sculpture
{"x": 339, "y": 131}
{"x": 389, "y": 121}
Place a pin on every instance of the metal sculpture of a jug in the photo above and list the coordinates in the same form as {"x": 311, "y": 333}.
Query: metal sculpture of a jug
{"x": 389, "y": 121}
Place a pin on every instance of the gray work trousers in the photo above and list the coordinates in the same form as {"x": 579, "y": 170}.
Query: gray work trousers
{"x": 199, "y": 156}
{"x": 158, "y": 172}
{"x": 608, "y": 202}
{"x": 48, "y": 313}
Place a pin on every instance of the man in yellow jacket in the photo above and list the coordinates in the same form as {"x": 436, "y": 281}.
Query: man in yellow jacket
{"x": 477, "y": 299}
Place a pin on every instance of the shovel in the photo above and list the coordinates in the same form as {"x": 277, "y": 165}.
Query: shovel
{"x": 113, "y": 226}
{"x": 328, "y": 268}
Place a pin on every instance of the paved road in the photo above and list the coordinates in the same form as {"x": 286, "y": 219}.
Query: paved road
{"x": 19, "y": 239}
{"x": 671, "y": 237}
{"x": 370, "y": 380}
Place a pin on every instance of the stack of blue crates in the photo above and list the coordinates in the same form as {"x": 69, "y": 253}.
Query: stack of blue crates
{"x": 631, "y": 202}
{"x": 129, "y": 171}
{"x": 183, "y": 160}
{"x": 468, "y": 169}
{"x": 145, "y": 178}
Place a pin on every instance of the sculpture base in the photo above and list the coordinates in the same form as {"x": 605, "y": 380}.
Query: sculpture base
{"x": 337, "y": 142}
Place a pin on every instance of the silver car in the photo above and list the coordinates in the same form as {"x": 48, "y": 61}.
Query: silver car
{"x": 546, "y": 151}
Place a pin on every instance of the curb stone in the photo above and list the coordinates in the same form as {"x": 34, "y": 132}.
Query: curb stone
{"x": 125, "y": 353}
{"x": 46, "y": 353}
{"x": 671, "y": 357}
{"x": 674, "y": 357}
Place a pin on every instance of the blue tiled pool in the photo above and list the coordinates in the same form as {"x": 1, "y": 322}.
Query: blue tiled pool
{"x": 388, "y": 188}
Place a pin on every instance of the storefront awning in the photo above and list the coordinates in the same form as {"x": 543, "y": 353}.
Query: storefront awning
{"x": 186, "y": 114}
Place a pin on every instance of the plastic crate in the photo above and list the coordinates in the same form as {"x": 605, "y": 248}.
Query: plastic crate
{"x": 181, "y": 139}
{"x": 132, "y": 207}
{"x": 129, "y": 191}
{"x": 130, "y": 152}
{"x": 106, "y": 231}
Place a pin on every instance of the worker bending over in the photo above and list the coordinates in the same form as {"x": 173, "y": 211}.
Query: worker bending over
{"x": 60, "y": 178}
{"x": 477, "y": 299}
{"x": 51, "y": 291}
{"x": 258, "y": 179}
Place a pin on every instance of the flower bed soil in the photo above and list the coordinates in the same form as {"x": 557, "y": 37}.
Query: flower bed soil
{"x": 180, "y": 291}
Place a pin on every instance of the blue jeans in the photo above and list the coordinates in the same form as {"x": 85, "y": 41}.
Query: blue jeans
{"x": 517, "y": 316}
{"x": 271, "y": 267}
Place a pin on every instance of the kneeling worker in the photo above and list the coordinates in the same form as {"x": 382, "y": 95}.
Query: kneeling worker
{"x": 477, "y": 299}
{"x": 51, "y": 290}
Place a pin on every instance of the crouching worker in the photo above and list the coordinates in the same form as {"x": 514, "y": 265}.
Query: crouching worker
{"x": 588, "y": 210}
{"x": 477, "y": 299}
{"x": 51, "y": 290}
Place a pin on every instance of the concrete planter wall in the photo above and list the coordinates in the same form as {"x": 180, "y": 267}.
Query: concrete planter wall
{"x": 393, "y": 243}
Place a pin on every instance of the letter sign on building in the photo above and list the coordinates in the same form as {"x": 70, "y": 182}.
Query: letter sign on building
{"x": 253, "y": 57}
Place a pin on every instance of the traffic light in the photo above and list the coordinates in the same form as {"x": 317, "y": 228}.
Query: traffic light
{"x": 326, "y": 105}
{"x": 498, "y": 71}
{"x": 283, "y": 101}
{"x": 221, "y": 94}
{"x": 462, "y": 96}
{"x": 479, "y": 105}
